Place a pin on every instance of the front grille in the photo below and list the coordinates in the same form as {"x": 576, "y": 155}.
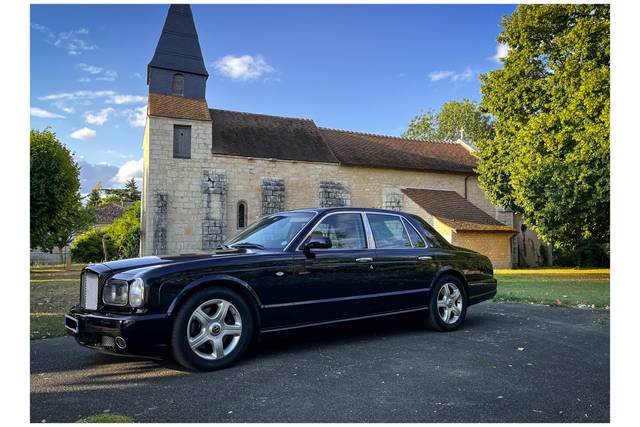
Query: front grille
{"x": 89, "y": 290}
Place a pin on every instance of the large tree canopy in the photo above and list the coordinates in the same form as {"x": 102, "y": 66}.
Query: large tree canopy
{"x": 549, "y": 159}
{"x": 445, "y": 125}
{"x": 54, "y": 188}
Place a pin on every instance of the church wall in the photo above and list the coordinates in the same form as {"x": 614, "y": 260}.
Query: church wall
{"x": 197, "y": 213}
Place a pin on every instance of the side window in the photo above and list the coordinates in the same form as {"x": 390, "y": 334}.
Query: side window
{"x": 345, "y": 230}
{"x": 177, "y": 85}
{"x": 388, "y": 231}
{"x": 428, "y": 231}
{"x": 182, "y": 142}
{"x": 418, "y": 242}
{"x": 242, "y": 214}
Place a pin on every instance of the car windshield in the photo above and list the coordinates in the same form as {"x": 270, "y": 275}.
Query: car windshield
{"x": 272, "y": 232}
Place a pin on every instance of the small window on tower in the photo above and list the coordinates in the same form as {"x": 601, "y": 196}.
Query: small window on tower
{"x": 242, "y": 214}
{"x": 177, "y": 87}
{"x": 182, "y": 142}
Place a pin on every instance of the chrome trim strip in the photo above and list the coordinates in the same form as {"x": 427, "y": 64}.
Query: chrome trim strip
{"x": 328, "y": 322}
{"x": 367, "y": 228}
{"x": 355, "y": 297}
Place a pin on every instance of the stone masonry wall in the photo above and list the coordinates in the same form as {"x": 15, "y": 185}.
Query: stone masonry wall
{"x": 160, "y": 224}
{"x": 214, "y": 198}
{"x": 392, "y": 199}
{"x": 332, "y": 194}
{"x": 273, "y": 193}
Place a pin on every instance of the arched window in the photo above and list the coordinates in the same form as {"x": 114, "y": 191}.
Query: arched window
{"x": 242, "y": 214}
{"x": 177, "y": 87}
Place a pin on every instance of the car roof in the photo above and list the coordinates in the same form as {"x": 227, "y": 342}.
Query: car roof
{"x": 348, "y": 208}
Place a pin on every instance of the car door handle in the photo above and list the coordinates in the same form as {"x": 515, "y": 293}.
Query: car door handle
{"x": 366, "y": 259}
{"x": 424, "y": 258}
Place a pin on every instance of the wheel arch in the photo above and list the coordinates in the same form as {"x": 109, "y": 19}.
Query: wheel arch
{"x": 232, "y": 283}
{"x": 450, "y": 271}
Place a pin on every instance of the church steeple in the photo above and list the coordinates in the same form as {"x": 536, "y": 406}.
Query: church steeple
{"x": 177, "y": 67}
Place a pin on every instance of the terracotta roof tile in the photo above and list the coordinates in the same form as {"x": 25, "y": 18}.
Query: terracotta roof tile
{"x": 106, "y": 214}
{"x": 454, "y": 210}
{"x": 363, "y": 149}
{"x": 178, "y": 107}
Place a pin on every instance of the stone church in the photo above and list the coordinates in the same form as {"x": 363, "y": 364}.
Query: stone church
{"x": 208, "y": 173}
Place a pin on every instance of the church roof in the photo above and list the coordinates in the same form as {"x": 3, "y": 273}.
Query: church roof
{"x": 178, "y": 107}
{"x": 454, "y": 210}
{"x": 269, "y": 137}
{"x": 364, "y": 149}
{"x": 179, "y": 48}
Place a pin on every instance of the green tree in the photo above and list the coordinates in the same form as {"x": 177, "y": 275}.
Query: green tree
{"x": 124, "y": 232}
{"x": 131, "y": 188}
{"x": 445, "y": 125}
{"x": 54, "y": 196}
{"x": 549, "y": 159}
{"x": 78, "y": 220}
{"x": 94, "y": 197}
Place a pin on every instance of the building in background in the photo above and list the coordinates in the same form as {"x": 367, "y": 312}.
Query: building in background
{"x": 210, "y": 172}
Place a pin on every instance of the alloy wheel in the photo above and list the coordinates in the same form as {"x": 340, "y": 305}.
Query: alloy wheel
{"x": 449, "y": 303}
{"x": 214, "y": 329}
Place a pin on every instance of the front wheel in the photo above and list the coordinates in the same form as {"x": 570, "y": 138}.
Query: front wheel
{"x": 212, "y": 329}
{"x": 448, "y": 305}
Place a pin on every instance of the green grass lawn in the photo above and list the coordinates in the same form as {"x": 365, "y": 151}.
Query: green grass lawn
{"x": 560, "y": 287}
{"x": 53, "y": 292}
{"x": 106, "y": 418}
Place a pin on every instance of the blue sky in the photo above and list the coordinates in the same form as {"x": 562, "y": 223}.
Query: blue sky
{"x": 360, "y": 67}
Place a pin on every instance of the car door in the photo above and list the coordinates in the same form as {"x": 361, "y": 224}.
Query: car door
{"x": 330, "y": 284}
{"x": 402, "y": 264}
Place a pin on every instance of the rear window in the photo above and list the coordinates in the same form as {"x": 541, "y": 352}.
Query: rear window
{"x": 429, "y": 232}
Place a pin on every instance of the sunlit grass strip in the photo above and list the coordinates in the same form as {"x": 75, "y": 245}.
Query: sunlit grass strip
{"x": 555, "y": 271}
{"x": 54, "y": 280}
{"x": 106, "y": 418}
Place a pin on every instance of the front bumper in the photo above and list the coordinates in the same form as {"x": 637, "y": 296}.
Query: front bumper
{"x": 144, "y": 335}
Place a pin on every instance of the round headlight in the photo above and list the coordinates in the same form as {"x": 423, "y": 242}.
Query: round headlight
{"x": 136, "y": 293}
{"x": 115, "y": 292}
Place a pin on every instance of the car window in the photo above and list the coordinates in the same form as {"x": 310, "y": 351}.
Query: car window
{"x": 388, "y": 231}
{"x": 430, "y": 233}
{"x": 418, "y": 242}
{"x": 345, "y": 230}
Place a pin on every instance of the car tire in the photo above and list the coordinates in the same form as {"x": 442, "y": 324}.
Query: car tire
{"x": 447, "y": 310}
{"x": 203, "y": 337}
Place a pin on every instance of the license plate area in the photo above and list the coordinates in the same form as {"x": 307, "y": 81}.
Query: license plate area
{"x": 71, "y": 324}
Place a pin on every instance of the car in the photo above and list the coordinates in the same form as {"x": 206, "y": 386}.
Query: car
{"x": 286, "y": 271}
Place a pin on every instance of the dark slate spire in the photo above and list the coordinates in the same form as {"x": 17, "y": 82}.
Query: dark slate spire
{"x": 178, "y": 48}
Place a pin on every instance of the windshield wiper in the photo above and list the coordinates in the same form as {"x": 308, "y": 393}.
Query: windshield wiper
{"x": 247, "y": 245}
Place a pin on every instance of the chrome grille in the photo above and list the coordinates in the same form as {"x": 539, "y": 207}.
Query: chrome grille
{"x": 89, "y": 290}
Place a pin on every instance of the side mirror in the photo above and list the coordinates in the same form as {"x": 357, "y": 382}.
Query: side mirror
{"x": 317, "y": 242}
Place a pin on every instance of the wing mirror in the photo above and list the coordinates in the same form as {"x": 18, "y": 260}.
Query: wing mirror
{"x": 317, "y": 242}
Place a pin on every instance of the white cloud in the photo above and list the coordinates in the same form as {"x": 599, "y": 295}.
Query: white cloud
{"x": 451, "y": 75}
{"x": 91, "y": 69}
{"x": 125, "y": 99}
{"x": 77, "y": 95}
{"x": 131, "y": 169}
{"x": 63, "y": 107}
{"x": 84, "y": 80}
{"x": 439, "y": 75}
{"x": 502, "y": 51}
{"x": 90, "y": 174}
{"x": 71, "y": 41}
{"x": 137, "y": 117}
{"x": 100, "y": 117}
{"x": 108, "y": 76}
{"x": 245, "y": 67}
{"x": 44, "y": 114}
{"x": 465, "y": 76}
{"x": 83, "y": 134}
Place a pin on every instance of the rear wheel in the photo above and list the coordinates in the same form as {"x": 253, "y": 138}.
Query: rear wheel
{"x": 212, "y": 329}
{"x": 448, "y": 305}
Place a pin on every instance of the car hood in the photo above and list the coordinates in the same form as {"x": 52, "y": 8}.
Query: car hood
{"x": 148, "y": 261}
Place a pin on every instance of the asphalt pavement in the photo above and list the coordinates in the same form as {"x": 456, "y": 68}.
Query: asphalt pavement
{"x": 507, "y": 363}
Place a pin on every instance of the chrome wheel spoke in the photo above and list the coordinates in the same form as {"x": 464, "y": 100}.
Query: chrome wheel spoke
{"x": 218, "y": 348}
{"x": 442, "y": 304}
{"x": 455, "y": 295}
{"x": 232, "y": 330}
{"x": 201, "y": 316}
{"x": 223, "y": 308}
{"x": 456, "y": 310}
{"x": 198, "y": 340}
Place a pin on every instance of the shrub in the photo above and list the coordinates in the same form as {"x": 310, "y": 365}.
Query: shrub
{"x": 124, "y": 233}
{"x": 87, "y": 247}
